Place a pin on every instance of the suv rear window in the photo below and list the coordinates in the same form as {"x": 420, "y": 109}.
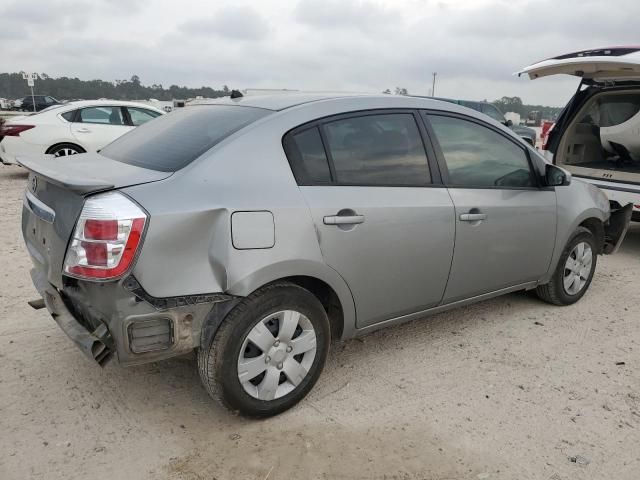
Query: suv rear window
{"x": 173, "y": 141}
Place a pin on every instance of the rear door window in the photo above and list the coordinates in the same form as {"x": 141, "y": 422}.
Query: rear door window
{"x": 477, "y": 156}
{"x": 307, "y": 157}
{"x": 141, "y": 115}
{"x": 384, "y": 149}
{"x": 172, "y": 141}
{"x": 102, "y": 115}
{"x": 69, "y": 116}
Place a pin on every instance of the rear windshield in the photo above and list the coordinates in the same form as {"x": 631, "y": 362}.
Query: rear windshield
{"x": 172, "y": 141}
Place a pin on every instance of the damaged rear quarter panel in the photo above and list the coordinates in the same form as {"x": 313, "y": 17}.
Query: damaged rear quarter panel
{"x": 188, "y": 248}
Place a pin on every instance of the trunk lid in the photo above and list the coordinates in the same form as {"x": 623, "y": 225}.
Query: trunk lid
{"x": 599, "y": 65}
{"x": 54, "y": 197}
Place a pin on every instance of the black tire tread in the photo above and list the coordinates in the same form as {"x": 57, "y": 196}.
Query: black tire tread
{"x": 549, "y": 291}
{"x": 65, "y": 144}
{"x": 210, "y": 357}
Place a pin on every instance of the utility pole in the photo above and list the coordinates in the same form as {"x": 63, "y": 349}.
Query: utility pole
{"x": 433, "y": 86}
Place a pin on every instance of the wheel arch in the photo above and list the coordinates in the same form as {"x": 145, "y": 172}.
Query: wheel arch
{"x": 340, "y": 310}
{"x": 596, "y": 227}
{"x": 321, "y": 280}
{"x": 591, "y": 218}
{"x": 66, "y": 142}
{"x": 327, "y": 297}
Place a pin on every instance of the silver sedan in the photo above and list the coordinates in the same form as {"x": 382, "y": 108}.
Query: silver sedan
{"x": 257, "y": 229}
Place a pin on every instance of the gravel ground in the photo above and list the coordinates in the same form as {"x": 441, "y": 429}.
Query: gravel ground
{"x": 510, "y": 388}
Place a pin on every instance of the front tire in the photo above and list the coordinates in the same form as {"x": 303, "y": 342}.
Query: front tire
{"x": 574, "y": 272}
{"x": 268, "y": 352}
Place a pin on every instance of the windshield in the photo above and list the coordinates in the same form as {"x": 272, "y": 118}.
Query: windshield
{"x": 493, "y": 112}
{"x": 172, "y": 141}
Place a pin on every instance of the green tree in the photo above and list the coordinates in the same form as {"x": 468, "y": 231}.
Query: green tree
{"x": 12, "y": 85}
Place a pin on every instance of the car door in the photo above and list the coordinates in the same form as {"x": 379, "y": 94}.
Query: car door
{"x": 383, "y": 220}
{"x": 505, "y": 222}
{"x": 96, "y": 127}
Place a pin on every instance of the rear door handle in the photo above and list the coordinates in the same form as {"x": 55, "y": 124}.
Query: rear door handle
{"x": 83, "y": 130}
{"x": 472, "y": 217}
{"x": 343, "y": 219}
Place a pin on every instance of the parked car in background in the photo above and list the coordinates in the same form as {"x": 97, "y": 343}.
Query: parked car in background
{"x": 597, "y": 135}
{"x": 527, "y": 134}
{"x": 72, "y": 128}
{"x": 41, "y": 102}
{"x": 534, "y": 118}
{"x": 16, "y": 104}
{"x": 256, "y": 229}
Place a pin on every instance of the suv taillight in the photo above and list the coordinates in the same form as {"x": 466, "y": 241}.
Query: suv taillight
{"x": 14, "y": 130}
{"x": 547, "y": 128}
{"x": 106, "y": 238}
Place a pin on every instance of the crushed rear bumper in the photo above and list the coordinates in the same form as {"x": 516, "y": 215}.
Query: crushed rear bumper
{"x": 120, "y": 320}
{"x": 97, "y": 344}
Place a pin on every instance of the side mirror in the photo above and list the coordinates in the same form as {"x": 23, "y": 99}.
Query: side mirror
{"x": 556, "y": 176}
{"x": 508, "y": 123}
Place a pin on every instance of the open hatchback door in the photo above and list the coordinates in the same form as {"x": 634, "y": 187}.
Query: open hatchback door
{"x": 600, "y": 65}
{"x": 597, "y": 135}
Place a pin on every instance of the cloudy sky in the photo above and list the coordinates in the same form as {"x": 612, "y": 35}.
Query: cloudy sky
{"x": 347, "y": 45}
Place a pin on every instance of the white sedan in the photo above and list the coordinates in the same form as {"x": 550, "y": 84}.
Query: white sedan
{"x": 75, "y": 127}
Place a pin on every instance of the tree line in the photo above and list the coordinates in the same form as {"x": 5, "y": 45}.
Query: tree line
{"x": 514, "y": 104}
{"x": 13, "y": 86}
{"x": 505, "y": 104}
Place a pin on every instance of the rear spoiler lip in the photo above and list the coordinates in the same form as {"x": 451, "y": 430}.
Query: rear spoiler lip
{"x": 43, "y": 166}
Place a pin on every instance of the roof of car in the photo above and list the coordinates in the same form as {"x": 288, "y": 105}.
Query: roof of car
{"x": 282, "y": 101}
{"x": 122, "y": 103}
{"x": 276, "y": 101}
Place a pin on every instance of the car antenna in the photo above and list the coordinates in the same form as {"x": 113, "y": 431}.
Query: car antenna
{"x": 236, "y": 94}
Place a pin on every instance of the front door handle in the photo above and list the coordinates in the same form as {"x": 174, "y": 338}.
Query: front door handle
{"x": 343, "y": 219}
{"x": 473, "y": 217}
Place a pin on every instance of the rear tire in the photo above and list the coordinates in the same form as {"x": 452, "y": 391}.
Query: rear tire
{"x": 258, "y": 363}
{"x": 65, "y": 150}
{"x": 574, "y": 272}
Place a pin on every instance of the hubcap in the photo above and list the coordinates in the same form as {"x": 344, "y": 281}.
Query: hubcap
{"x": 276, "y": 355}
{"x": 65, "y": 152}
{"x": 577, "y": 268}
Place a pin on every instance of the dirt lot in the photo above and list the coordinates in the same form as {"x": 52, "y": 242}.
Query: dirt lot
{"x": 506, "y": 389}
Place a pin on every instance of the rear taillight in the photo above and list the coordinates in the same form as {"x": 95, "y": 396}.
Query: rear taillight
{"x": 106, "y": 238}
{"x": 547, "y": 128}
{"x": 14, "y": 130}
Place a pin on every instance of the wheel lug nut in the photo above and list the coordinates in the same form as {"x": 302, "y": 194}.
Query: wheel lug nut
{"x": 279, "y": 366}
{"x": 289, "y": 348}
{"x": 277, "y": 342}
{"x": 267, "y": 359}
